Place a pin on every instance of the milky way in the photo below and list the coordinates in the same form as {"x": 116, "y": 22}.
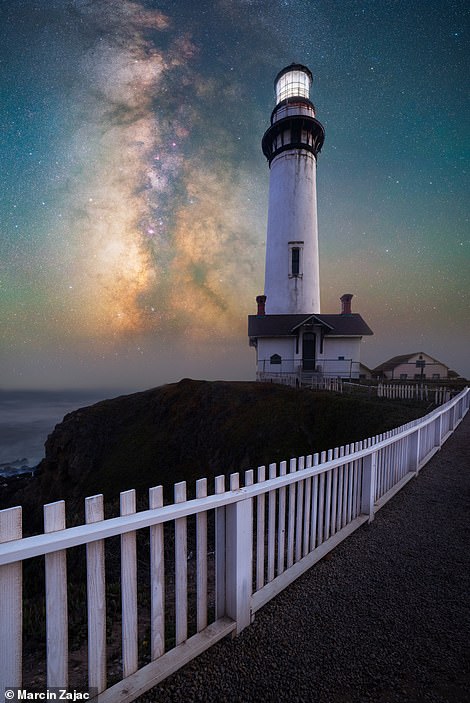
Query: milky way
{"x": 135, "y": 191}
{"x": 151, "y": 229}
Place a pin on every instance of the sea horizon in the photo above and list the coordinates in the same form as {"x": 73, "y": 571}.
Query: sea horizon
{"x": 28, "y": 416}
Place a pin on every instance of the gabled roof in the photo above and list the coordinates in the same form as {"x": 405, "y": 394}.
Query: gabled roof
{"x": 352, "y": 324}
{"x": 312, "y": 319}
{"x": 403, "y": 359}
{"x": 287, "y": 325}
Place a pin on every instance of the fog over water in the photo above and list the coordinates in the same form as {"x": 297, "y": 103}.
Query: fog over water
{"x": 28, "y": 417}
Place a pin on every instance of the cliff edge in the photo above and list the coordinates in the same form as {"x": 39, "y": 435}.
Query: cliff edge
{"x": 194, "y": 429}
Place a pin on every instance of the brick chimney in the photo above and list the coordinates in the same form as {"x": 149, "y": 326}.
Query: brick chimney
{"x": 261, "y": 301}
{"x": 346, "y": 303}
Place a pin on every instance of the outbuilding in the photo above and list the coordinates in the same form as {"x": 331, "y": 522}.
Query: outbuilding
{"x": 414, "y": 366}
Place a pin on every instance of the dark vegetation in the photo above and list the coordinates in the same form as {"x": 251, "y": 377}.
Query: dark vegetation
{"x": 189, "y": 430}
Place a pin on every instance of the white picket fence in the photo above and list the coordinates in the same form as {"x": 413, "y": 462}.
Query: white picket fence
{"x": 265, "y": 534}
{"x": 312, "y": 380}
{"x": 418, "y": 391}
{"x": 395, "y": 391}
{"x": 326, "y": 383}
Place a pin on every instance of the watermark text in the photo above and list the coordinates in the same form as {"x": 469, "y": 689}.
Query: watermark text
{"x": 49, "y": 694}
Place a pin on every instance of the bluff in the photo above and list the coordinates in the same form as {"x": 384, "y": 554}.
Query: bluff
{"x": 194, "y": 429}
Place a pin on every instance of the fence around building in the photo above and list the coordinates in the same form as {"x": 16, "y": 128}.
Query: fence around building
{"x": 231, "y": 552}
{"x": 299, "y": 368}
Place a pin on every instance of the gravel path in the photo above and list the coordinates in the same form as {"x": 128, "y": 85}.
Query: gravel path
{"x": 385, "y": 617}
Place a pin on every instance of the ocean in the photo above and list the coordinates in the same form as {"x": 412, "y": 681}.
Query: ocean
{"x": 28, "y": 417}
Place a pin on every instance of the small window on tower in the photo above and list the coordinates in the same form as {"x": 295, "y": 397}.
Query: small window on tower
{"x": 275, "y": 359}
{"x": 295, "y": 261}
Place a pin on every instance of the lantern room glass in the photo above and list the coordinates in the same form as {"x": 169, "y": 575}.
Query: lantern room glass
{"x": 292, "y": 84}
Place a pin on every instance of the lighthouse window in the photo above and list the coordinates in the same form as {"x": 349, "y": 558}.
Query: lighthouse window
{"x": 295, "y": 259}
{"x": 275, "y": 359}
{"x": 291, "y": 84}
{"x": 295, "y": 262}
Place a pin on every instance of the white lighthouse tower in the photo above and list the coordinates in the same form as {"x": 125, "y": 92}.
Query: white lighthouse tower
{"x": 291, "y": 145}
{"x": 296, "y": 343}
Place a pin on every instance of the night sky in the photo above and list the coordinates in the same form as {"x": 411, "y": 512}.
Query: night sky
{"x": 134, "y": 189}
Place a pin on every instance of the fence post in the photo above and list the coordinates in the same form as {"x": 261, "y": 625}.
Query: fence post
{"x": 437, "y": 431}
{"x": 129, "y": 589}
{"x": 271, "y": 525}
{"x": 260, "y": 530}
{"x": 413, "y": 452}
{"x": 219, "y": 551}
{"x": 369, "y": 470}
{"x": 157, "y": 578}
{"x": 238, "y": 559}
{"x": 11, "y": 614}
{"x": 181, "y": 568}
{"x": 201, "y": 559}
{"x": 452, "y": 422}
{"x": 96, "y": 599}
{"x": 56, "y": 601}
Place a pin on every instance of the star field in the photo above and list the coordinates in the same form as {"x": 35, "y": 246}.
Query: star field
{"x": 134, "y": 190}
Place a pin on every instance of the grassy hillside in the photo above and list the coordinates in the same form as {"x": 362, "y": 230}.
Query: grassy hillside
{"x": 192, "y": 429}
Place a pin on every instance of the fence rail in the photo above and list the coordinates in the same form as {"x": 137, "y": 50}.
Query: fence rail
{"x": 209, "y": 563}
{"x": 299, "y": 368}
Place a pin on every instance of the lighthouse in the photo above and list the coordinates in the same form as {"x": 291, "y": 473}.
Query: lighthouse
{"x": 291, "y": 146}
{"x": 294, "y": 341}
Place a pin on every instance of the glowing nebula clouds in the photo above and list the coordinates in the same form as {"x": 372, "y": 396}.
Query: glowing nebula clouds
{"x": 155, "y": 221}
{"x": 107, "y": 196}
{"x": 134, "y": 190}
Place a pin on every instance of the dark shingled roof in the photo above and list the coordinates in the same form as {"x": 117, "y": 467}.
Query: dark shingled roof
{"x": 287, "y": 325}
{"x": 352, "y": 324}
